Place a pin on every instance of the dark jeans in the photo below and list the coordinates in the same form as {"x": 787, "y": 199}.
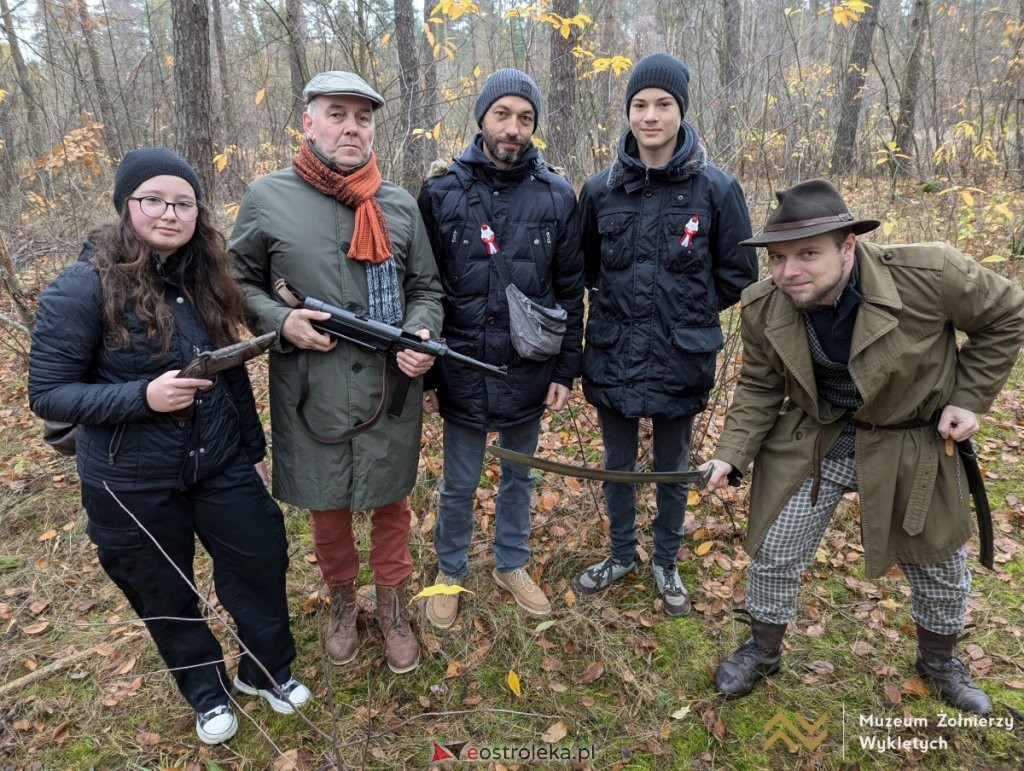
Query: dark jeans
{"x": 671, "y": 453}
{"x": 242, "y": 528}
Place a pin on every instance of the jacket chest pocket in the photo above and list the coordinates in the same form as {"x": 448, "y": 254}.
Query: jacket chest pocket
{"x": 686, "y": 239}
{"x": 616, "y": 231}
{"x": 462, "y": 243}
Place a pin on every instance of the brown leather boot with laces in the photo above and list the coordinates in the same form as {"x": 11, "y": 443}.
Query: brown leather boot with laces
{"x": 343, "y": 636}
{"x": 400, "y": 644}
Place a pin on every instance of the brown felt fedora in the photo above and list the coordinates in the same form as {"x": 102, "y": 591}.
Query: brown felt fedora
{"x": 808, "y": 209}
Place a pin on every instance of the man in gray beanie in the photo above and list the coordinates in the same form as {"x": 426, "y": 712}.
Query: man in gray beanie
{"x": 661, "y": 234}
{"x": 498, "y": 206}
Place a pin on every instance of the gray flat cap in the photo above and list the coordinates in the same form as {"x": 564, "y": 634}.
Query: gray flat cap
{"x": 339, "y": 82}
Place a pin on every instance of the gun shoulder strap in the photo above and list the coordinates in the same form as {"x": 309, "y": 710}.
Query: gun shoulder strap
{"x": 356, "y": 430}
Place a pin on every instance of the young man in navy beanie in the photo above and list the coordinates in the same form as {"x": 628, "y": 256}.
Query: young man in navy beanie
{"x": 498, "y": 201}
{"x": 661, "y": 232}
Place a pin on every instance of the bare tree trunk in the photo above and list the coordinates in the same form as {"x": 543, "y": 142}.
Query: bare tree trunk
{"x": 558, "y": 117}
{"x": 411, "y": 167}
{"x": 111, "y": 136}
{"x": 428, "y": 99}
{"x": 193, "y": 104}
{"x": 851, "y": 96}
{"x": 33, "y": 113}
{"x": 296, "y": 59}
{"x": 729, "y": 52}
{"x": 908, "y": 93}
{"x": 227, "y": 116}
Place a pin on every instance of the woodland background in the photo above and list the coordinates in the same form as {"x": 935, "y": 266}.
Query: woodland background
{"x": 913, "y": 108}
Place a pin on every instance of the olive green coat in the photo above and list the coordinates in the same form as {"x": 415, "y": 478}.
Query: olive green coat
{"x": 285, "y": 228}
{"x": 905, "y": 362}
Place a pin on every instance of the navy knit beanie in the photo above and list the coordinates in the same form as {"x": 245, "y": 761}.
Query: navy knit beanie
{"x": 507, "y": 82}
{"x": 664, "y": 71}
{"x": 139, "y": 165}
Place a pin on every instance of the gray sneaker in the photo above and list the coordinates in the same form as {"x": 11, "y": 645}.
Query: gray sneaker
{"x": 673, "y": 593}
{"x": 600, "y": 576}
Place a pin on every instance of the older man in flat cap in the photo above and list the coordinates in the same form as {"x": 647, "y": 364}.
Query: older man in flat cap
{"x": 852, "y": 379}
{"x": 335, "y": 230}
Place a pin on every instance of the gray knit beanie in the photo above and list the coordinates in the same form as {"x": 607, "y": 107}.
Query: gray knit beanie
{"x": 139, "y": 165}
{"x": 664, "y": 71}
{"x": 507, "y": 82}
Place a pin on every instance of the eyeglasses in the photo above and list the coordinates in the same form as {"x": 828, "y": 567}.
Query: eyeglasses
{"x": 151, "y": 206}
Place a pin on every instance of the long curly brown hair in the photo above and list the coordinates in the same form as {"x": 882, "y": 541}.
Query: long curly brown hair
{"x": 128, "y": 279}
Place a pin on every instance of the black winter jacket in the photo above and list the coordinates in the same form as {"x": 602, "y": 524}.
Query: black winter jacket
{"x": 532, "y": 212}
{"x": 74, "y": 378}
{"x": 662, "y": 260}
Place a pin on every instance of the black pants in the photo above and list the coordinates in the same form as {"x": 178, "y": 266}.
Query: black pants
{"x": 242, "y": 528}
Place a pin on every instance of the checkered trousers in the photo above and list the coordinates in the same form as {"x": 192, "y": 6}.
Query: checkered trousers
{"x": 938, "y": 591}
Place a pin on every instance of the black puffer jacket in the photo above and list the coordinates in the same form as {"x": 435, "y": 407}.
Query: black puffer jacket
{"x": 662, "y": 261}
{"x": 532, "y": 212}
{"x": 74, "y": 378}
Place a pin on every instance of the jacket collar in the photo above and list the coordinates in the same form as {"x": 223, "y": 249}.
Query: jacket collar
{"x": 690, "y": 159}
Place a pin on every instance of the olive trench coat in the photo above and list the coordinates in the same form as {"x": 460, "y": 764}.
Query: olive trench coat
{"x": 286, "y": 229}
{"x": 904, "y": 359}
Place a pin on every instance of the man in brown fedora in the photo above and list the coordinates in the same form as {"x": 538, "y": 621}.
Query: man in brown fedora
{"x": 852, "y": 379}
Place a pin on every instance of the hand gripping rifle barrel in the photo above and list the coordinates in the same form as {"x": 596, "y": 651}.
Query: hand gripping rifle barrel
{"x": 356, "y": 328}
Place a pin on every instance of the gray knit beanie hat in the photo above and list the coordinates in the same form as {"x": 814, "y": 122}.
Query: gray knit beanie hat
{"x": 507, "y": 82}
{"x": 664, "y": 71}
{"x": 139, "y": 165}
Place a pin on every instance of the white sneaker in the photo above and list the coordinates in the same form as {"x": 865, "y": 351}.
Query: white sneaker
{"x": 216, "y": 725}
{"x": 295, "y": 692}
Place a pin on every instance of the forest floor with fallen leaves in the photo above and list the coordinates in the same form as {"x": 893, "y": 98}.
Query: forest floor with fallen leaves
{"x": 81, "y": 684}
{"x": 609, "y": 678}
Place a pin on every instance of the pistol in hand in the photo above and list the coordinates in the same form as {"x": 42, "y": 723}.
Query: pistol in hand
{"x": 208, "y": 363}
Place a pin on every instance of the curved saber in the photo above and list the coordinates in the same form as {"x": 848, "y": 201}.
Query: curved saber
{"x": 604, "y": 475}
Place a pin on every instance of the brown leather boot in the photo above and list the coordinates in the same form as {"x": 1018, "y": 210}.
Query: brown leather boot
{"x": 343, "y": 636}
{"x": 400, "y": 643}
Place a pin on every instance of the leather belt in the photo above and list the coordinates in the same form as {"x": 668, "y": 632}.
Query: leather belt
{"x": 975, "y": 481}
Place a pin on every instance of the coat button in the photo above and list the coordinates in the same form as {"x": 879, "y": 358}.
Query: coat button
{"x": 798, "y": 435}
{"x": 181, "y": 301}
{"x": 357, "y": 367}
{"x": 887, "y": 256}
{"x": 490, "y": 319}
{"x": 636, "y": 322}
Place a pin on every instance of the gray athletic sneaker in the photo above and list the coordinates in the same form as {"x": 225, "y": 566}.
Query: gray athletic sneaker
{"x": 600, "y": 576}
{"x": 673, "y": 593}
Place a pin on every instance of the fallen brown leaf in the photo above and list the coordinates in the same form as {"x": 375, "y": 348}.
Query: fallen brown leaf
{"x": 912, "y": 686}
{"x": 554, "y": 733}
{"x": 593, "y": 671}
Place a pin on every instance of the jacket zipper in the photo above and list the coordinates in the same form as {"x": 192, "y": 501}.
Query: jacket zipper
{"x": 115, "y": 444}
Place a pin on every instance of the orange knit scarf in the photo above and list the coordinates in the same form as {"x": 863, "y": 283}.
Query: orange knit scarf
{"x": 371, "y": 240}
